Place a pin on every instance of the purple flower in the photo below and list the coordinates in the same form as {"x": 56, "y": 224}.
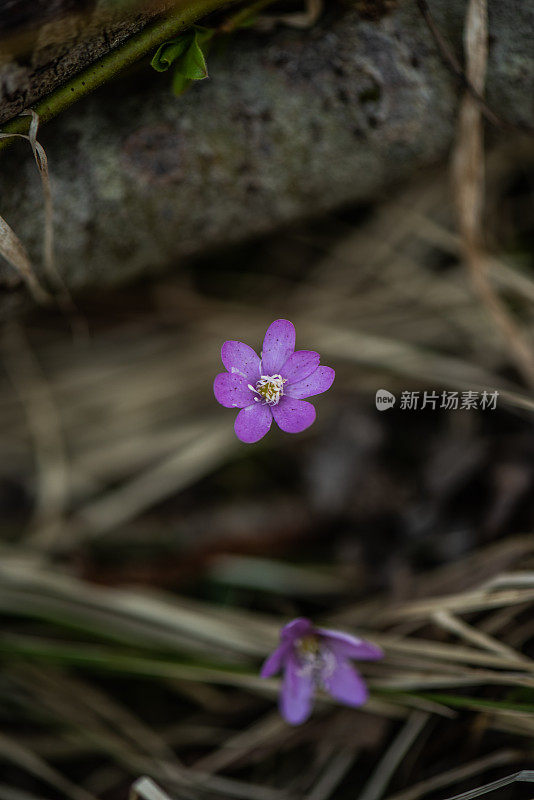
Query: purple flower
{"x": 273, "y": 386}
{"x": 317, "y": 658}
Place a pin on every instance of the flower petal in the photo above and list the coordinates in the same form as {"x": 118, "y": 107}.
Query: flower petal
{"x": 316, "y": 383}
{"x": 274, "y": 662}
{"x": 296, "y": 629}
{"x": 299, "y": 365}
{"x": 241, "y": 359}
{"x": 297, "y": 692}
{"x": 345, "y": 684}
{"x": 253, "y": 422}
{"x": 278, "y": 345}
{"x": 293, "y": 416}
{"x": 344, "y": 645}
{"x": 232, "y": 391}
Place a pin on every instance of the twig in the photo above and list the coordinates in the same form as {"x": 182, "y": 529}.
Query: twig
{"x": 117, "y": 60}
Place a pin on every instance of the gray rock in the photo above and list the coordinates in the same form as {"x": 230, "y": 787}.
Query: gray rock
{"x": 289, "y": 125}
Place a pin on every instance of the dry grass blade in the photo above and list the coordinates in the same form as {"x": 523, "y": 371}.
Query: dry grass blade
{"x": 12, "y": 249}
{"x": 332, "y": 775}
{"x": 474, "y": 636}
{"x": 152, "y": 618}
{"x": 13, "y": 751}
{"x": 400, "y": 746}
{"x": 141, "y": 617}
{"x": 146, "y": 789}
{"x": 269, "y": 728}
{"x": 450, "y": 59}
{"x": 469, "y": 174}
{"x": 498, "y": 759}
{"x": 80, "y": 720}
{"x": 483, "y": 567}
{"x": 11, "y": 793}
{"x": 182, "y": 469}
{"x": 524, "y": 776}
{"x": 459, "y": 603}
{"x": 10, "y": 246}
{"x": 104, "y": 710}
{"x": 229, "y": 787}
{"x": 44, "y": 425}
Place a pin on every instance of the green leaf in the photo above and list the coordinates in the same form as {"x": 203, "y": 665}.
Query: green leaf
{"x": 169, "y": 52}
{"x": 193, "y": 64}
{"x": 188, "y": 54}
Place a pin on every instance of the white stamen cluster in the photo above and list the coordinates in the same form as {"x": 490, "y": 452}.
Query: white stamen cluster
{"x": 316, "y": 659}
{"x": 269, "y": 388}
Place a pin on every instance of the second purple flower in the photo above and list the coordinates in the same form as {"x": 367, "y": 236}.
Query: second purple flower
{"x": 317, "y": 658}
{"x": 273, "y": 386}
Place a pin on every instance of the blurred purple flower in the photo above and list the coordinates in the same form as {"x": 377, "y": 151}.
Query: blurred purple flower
{"x": 273, "y": 386}
{"x": 317, "y": 658}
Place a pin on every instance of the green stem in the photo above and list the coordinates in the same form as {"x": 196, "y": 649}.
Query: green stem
{"x": 148, "y": 40}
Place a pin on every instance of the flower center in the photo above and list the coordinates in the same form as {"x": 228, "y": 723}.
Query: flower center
{"x": 316, "y": 659}
{"x": 269, "y": 388}
{"x": 308, "y": 647}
